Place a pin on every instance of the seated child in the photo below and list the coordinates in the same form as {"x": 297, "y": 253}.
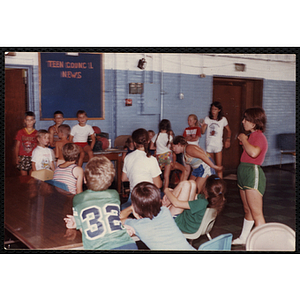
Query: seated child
{"x": 96, "y": 211}
{"x": 53, "y": 130}
{"x": 151, "y": 149}
{"x": 68, "y": 172}
{"x": 154, "y": 224}
{"x": 63, "y": 134}
{"x": 129, "y": 146}
{"x": 187, "y": 208}
{"x": 80, "y": 134}
{"x": 42, "y": 156}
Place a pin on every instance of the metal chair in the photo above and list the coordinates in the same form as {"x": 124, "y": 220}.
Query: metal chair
{"x": 271, "y": 237}
{"x": 219, "y": 243}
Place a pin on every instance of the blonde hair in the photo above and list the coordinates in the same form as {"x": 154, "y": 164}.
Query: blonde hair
{"x": 195, "y": 118}
{"x": 99, "y": 173}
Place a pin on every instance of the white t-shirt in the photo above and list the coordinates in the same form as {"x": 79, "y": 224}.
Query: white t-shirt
{"x": 81, "y": 133}
{"x": 42, "y": 157}
{"x": 214, "y": 131}
{"x": 162, "y": 142}
{"x": 138, "y": 167}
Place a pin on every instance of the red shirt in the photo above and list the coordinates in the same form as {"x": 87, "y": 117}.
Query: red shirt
{"x": 194, "y": 131}
{"x": 27, "y": 141}
{"x": 258, "y": 139}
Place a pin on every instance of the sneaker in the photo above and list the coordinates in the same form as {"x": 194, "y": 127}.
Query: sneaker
{"x": 238, "y": 241}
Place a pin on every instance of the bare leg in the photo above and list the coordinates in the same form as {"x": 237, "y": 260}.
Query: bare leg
{"x": 218, "y": 161}
{"x": 89, "y": 151}
{"x": 167, "y": 172}
{"x": 200, "y": 181}
{"x": 81, "y": 157}
{"x": 255, "y": 203}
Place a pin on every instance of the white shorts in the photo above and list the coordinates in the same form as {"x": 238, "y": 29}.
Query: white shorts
{"x": 214, "y": 149}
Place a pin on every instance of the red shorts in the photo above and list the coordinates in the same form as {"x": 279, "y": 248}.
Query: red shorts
{"x": 82, "y": 145}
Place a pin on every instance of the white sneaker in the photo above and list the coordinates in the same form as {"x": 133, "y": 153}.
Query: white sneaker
{"x": 238, "y": 241}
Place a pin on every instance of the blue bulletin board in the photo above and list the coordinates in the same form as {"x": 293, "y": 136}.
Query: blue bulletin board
{"x": 70, "y": 82}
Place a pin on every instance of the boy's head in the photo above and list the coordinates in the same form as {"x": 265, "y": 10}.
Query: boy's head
{"x": 99, "y": 173}
{"x": 43, "y": 137}
{"x": 58, "y": 117}
{"x": 64, "y": 130}
{"x": 29, "y": 119}
{"x": 146, "y": 200}
{"x": 70, "y": 152}
{"x": 81, "y": 117}
{"x": 257, "y": 116}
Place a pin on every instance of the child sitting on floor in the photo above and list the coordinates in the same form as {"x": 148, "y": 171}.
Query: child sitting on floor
{"x": 187, "y": 208}
{"x": 154, "y": 224}
{"x": 96, "y": 211}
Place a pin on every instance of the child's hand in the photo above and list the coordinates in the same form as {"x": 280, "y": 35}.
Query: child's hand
{"x": 130, "y": 230}
{"x": 70, "y": 222}
{"x": 242, "y": 138}
{"x": 165, "y": 201}
{"x": 218, "y": 168}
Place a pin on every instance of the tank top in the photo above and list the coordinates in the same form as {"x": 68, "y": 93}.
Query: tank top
{"x": 65, "y": 175}
{"x": 194, "y": 162}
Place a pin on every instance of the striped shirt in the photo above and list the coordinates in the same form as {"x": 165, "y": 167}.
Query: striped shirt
{"x": 65, "y": 175}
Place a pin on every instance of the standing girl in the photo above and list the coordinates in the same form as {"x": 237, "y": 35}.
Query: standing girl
{"x": 162, "y": 142}
{"x": 193, "y": 132}
{"x": 251, "y": 178}
{"x": 214, "y": 137}
{"x": 139, "y": 165}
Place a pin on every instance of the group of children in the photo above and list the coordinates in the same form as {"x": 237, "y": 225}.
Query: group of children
{"x": 158, "y": 213}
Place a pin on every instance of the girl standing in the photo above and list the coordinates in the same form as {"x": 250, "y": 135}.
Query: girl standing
{"x": 162, "y": 142}
{"x": 215, "y": 123}
{"x": 251, "y": 178}
{"x": 193, "y": 132}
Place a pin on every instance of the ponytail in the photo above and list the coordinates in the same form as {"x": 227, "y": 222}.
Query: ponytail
{"x": 141, "y": 138}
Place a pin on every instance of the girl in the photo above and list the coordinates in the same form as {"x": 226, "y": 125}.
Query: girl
{"x": 187, "y": 208}
{"x": 193, "y": 132}
{"x": 251, "y": 178}
{"x": 162, "y": 142}
{"x": 140, "y": 165}
{"x": 214, "y": 137}
{"x": 198, "y": 159}
{"x": 129, "y": 147}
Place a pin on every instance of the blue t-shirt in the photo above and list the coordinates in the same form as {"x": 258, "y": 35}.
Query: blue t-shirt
{"x": 160, "y": 233}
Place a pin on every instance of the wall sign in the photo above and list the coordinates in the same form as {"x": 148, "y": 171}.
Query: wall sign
{"x": 70, "y": 82}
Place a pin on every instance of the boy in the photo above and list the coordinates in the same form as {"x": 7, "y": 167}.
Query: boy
{"x": 63, "y": 134}
{"x": 154, "y": 224}
{"x": 53, "y": 130}
{"x": 25, "y": 143}
{"x": 96, "y": 211}
{"x": 79, "y": 135}
{"x": 42, "y": 156}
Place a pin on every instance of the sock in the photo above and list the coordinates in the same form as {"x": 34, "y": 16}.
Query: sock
{"x": 247, "y": 226}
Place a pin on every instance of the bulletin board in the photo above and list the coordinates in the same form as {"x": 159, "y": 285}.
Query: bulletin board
{"x": 70, "y": 82}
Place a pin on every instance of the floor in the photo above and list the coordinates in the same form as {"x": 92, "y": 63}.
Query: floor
{"x": 279, "y": 205}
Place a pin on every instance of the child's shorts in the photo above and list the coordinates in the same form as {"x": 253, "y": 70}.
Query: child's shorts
{"x": 203, "y": 170}
{"x": 251, "y": 176}
{"x": 164, "y": 159}
{"x": 24, "y": 163}
{"x": 214, "y": 149}
{"x": 82, "y": 145}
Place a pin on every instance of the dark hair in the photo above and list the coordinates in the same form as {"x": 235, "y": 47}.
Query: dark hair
{"x": 141, "y": 138}
{"x": 65, "y": 129}
{"x": 218, "y": 105}
{"x": 216, "y": 189}
{"x": 146, "y": 200}
{"x": 179, "y": 139}
{"x": 164, "y": 124}
{"x": 257, "y": 116}
{"x": 70, "y": 152}
{"x": 58, "y": 112}
{"x": 29, "y": 114}
{"x": 80, "y": 112}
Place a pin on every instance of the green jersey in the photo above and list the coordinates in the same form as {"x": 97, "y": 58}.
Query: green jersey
{"x": 97, "y": 214}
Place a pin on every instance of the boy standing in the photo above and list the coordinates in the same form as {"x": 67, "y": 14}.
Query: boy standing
{"x": 96, "y": 211}
{"x": 63, "y": 134}
{"x": 42, "y": 156}
{"x": 79, "y": 136}
{"x": 25, "y": 143}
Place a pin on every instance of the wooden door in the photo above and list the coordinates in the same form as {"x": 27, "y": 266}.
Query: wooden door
{"x": 15, "y": 108}
{"x": 235, "y": 95}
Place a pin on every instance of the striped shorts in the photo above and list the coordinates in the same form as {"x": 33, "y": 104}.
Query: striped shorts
{"x": 250, "y": 176}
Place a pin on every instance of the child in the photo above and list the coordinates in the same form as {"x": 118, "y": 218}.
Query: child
{"x": 79, "y": 135}
{"x": 42, "y": 156}
{"x": 162, "y": 143}
{"x": 214, "y": 137}
{"x": 140, "y": 165}
{"x": 53, "y": 130}
{"x": 96, "y": 211}
{"x": 193, "y": 132}
{"x": 151, "y": 135}
{"x": 154, "y": 224}
{"x": 251, "y": 178}
{"x": 129, "y": 146}
{"x": 188, "y": 208}
{"x": 25, "y": 143}
{"x": 200, "y": 162}
{"x": 63, "y": 134}
{"x": 68, "y": 172}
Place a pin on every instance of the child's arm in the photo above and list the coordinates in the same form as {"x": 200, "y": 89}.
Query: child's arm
{"x": 33, "y": 166}
{"x": 175, "y": 202}
{"x": 157, "y": 182}
{"x": 93, "y": 141}
{"x": 78, "y": 173}
{"x": 124, "y": 177}
{"x": 52, "y": 167}
{"x": 227, "y": 141}
{"x": 251, "y": 150}
{"x": 70, "y": 222}
{"x": 51, "y": 133}
{"x": 71, "y": 138}
{"x": 203, "y": 127}
{"x": 125, "y": 213}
